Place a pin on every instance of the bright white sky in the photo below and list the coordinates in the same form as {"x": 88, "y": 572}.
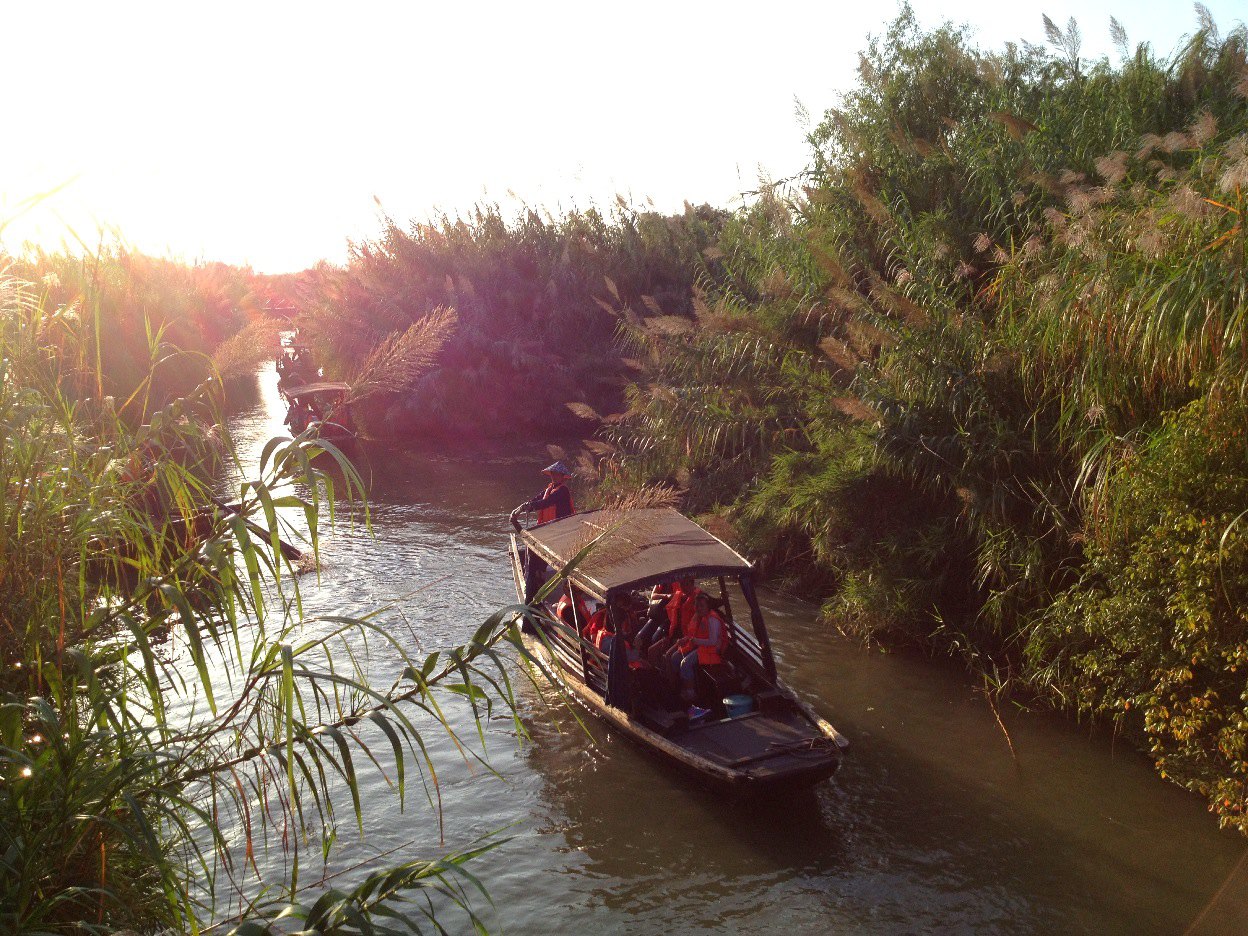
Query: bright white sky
{"x": 267, "y": 132}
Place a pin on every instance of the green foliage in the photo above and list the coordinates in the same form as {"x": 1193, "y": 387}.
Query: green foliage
{"x": 835, "y": 519}
{"x": 911, "y": 383}
{"x": 130, "y": 312}
{"x": 1155, "y": 633}
{"x": 159, "y": 682}
{"x": 532, "y": 331}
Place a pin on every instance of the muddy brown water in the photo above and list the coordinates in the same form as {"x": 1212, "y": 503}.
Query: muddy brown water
{"x": 931, "y": 826}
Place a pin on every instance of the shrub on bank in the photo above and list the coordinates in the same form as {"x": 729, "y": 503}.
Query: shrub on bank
{"x": 1154, "y": 635}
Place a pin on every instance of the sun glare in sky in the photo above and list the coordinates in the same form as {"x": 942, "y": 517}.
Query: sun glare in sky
{"x": 271, "y": 133}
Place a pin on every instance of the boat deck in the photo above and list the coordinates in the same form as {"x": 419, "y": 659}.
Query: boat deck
{"x": 764, "y": 745}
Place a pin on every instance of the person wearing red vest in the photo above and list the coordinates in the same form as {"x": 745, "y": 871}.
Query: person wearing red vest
{"x": 600, "y": 631}
{"x": 616, "y": 618}
{"x": 680, "y": 610}
{"x": 700, "y": 646}
{"x": 656, "y": 625}
{"x": 554, "y": 503}
{"x": 563, "y": 611}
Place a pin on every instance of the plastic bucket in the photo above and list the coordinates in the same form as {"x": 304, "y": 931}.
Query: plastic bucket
{"x": 737, "y": 705}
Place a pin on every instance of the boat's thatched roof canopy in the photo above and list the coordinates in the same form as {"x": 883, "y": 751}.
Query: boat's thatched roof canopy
{"x": 634, "y": 549}
{"x": 312, "y": 389}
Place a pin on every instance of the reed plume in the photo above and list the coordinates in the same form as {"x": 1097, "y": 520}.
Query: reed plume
{"x": 241, "y": 354}
{"x": 396, "y": 362}
{"x": 620, "y": 523}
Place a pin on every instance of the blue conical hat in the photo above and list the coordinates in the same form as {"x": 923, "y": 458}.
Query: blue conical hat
{"x": 558, "y": 468}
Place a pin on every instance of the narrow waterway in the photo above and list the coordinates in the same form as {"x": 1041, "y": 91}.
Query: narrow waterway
{"x": 932, "y": 825}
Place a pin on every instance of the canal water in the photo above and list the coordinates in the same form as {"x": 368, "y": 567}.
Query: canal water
{"x": 931, "y": 826}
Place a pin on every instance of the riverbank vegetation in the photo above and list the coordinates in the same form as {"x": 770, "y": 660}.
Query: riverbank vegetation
{"x": 975, "y": 379}
{"x": 130, "y": 312}
{"x": 168, "y": 713}
{"x": 532, "y": 301}
{"x": 980, "y": 381}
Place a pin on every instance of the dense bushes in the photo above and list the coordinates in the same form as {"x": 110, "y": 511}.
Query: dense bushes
{"x": 1155, "y": 632}
{"x": 913, "y": 384}
{"x": 532, "y": 333}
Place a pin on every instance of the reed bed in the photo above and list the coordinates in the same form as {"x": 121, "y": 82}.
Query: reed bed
{"x": 976, "y": 380}
{"x": 533, "y": 299}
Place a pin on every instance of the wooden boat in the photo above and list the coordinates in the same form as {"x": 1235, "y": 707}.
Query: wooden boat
{"x": 294, "y": 364}
{"x": 323, "y": 408}
{"x": 757, "y": 735}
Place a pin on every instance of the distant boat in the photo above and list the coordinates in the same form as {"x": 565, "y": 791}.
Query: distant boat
{"x": 295, "y": 364}
{"x": 749, "y": 733}
{"x": 294, "y": 369}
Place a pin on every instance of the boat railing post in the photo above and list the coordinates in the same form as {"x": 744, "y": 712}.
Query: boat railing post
{"x": 760, "y": 626}
{"x": 727, "y": 601}
{"x": 574, "y": 599}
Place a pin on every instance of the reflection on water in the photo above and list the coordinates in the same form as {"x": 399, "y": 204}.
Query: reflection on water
{"x": 931, "y": 826}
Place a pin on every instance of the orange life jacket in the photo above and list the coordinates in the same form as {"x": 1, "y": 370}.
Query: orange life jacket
{"x": 701, "y": 629}
{"x": 598, "y": 628}
{"x": 681, "y": 609}
{"x": 563, "y": 611}
{"x": 546, "y": 514}
{"x": 597, "y": 621}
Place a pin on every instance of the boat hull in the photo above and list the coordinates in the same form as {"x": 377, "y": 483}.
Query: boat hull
{"x": 764, "y": 772}
{"x": 783, "y": 746}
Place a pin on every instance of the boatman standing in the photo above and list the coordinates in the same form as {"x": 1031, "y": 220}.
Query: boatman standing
{"x": 554, "y": 503}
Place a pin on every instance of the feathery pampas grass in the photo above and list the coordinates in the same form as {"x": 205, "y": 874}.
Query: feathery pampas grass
{"x": 398, "y": 360}
{"x": 619, "y": 524}
{"x": 243, "y": 353}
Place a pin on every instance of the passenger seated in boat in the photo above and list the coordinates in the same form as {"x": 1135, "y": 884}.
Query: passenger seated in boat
{"x": 680, "y": 610}
{"x": 300, "y": 416}
{"x": 656, "y": 624}
{"x": 617, "y": 618}
{"x": 701, "y": 646}
{"x": 629, "y": 623}
{"x": 666, "y": 626}
{"x": 331, "y": 408}
{"x": 563, "y": 611}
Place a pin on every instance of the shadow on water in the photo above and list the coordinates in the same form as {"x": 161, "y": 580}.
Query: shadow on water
{"x": 653, "y": 842}
{"x": 1071, "y": 835}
